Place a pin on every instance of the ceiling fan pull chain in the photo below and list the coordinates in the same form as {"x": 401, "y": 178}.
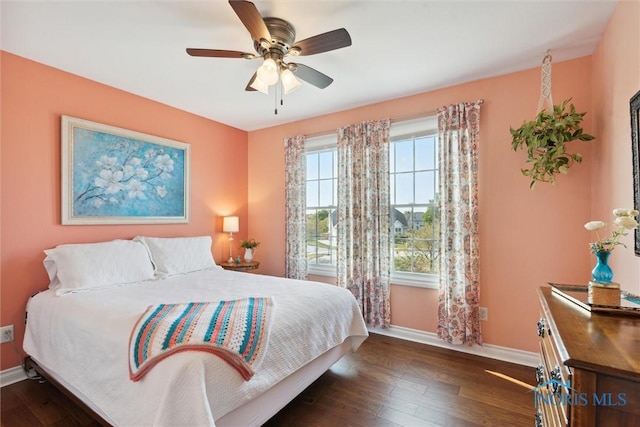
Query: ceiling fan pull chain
{"x": 545, "y": 84}
{"x": 281, "y": 93}
{"x": 275, "y": 100}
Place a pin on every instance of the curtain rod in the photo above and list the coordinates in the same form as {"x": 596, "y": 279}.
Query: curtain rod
{"x": 412, "y": 116}
{"x": 396, "y": 119}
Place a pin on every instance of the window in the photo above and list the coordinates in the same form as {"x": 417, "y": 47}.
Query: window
{"x": 413, "y": 157}
{"x": 322, "y": 174}
{"x": 413, "y": 169}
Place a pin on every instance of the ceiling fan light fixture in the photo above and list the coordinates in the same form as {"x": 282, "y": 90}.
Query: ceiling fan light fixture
{"x": 289, "y": 81}
{"x": 260, "y": 86}
{"x": 273, "y": 40}
{"x": 268, "y": 72}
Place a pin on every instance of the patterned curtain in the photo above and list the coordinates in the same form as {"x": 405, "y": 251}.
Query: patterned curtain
{"x": 295, "y": 208}
{"x": 364, "y": 218}
{"x": 458, "y": 308}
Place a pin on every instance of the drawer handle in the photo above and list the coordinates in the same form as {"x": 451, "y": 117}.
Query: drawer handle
{"x": 555, "y": 375}
{"x": 540, "y": 374}
{"x": 541, "y": 327}
{"x": 538, "y": 419}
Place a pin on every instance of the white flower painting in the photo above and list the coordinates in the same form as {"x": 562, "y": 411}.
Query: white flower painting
{"x": 120, "y": 176}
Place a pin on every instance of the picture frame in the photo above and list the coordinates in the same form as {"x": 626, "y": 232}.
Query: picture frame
{"x": 112, "y": 175}
{"x": 635, "y": 148}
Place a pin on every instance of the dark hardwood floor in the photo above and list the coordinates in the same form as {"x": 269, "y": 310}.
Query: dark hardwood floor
{"x": 388, "y": 382}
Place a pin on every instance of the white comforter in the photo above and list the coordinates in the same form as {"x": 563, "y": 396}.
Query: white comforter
{"x": 83, "y": 339}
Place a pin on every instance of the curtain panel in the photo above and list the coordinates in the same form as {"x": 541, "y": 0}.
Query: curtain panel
{"x": 459, "y": 292}
{"x": 363, "y": 224}
{"x": 295, "y": 208}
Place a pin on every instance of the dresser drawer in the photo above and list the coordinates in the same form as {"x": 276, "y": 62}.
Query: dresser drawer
{"x": 553, "y": 377}
{"x": 549, "y": 349}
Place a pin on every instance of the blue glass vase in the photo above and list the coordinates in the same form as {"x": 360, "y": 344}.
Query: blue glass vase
{"x": 602, "y": 272}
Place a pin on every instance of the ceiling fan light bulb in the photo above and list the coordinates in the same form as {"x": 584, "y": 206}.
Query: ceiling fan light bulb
{"x": 289, "y": 81}
{"x": 268, "y": 72}
{"x": 269, "y": 65}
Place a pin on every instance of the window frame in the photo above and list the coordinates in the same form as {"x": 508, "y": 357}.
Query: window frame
{"x": 413, "y": 129}
{"x": 398, "y": 131}
{"x": 315, "y": 145}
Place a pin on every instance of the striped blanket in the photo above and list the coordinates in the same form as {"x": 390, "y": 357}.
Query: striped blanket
{"x": 236, "y": 330}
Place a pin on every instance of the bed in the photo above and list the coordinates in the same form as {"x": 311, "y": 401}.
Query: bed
{"x": 82, "y": 333}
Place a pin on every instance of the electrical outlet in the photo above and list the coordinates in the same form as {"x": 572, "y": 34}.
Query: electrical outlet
{"x": 484, "y": 313}
{"x": 6, "y": 334}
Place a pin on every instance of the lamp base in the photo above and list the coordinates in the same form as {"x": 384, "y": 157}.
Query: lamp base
{"x": 230, "y": 260}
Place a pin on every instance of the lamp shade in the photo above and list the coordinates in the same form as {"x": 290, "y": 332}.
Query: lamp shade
{"x": 230, "y": 224}
{"x": 268, "y": 72}
{"x": 261, "y": 86}
{"x": 289, "y": 81}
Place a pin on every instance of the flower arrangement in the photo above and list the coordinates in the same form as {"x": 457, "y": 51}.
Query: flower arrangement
{"x": 249, "y": 244}
{"x": 624, "y": 220}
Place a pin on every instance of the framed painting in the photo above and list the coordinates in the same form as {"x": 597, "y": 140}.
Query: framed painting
{"x": 635, "y": 148}
{"x": 117, "y": 176}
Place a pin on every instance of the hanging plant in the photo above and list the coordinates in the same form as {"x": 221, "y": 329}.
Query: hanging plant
{"x": 544, "y": 139}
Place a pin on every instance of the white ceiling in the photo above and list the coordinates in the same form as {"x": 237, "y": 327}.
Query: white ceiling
{"x": 399, "y": 47}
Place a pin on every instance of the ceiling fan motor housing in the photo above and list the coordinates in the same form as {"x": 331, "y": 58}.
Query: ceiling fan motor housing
{"x": 283, "y": 34}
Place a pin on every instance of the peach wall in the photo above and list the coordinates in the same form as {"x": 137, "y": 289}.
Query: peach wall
{"x": 407, "y": 305}
{"x": 616, "y": 78}
{"x": 34, "y": 97}
{"x": 528, "y": 237}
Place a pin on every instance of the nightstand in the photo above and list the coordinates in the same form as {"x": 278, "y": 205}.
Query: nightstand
{"x": 243, "y": 266}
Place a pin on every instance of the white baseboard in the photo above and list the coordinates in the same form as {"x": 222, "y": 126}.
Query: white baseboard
{"x": 12, "y": 375}
{"x": 506, "y": 354}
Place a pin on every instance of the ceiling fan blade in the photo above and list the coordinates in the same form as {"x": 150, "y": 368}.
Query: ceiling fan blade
{"x": 217, "y": 53}
{"x": 312, "y": 76}
{"x": 324, "y": 42}
{"x": 251, "y": 18}
{"x": 249, "y": 88}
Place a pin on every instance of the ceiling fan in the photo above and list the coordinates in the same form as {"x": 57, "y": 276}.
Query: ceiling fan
{"x": 273, "y": 41}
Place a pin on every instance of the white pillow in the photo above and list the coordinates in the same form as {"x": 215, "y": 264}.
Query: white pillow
{"x": 178, "y": 255}
{"x": 90, "y": 265}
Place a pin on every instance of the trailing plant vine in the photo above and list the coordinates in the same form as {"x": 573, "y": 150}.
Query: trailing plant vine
{"x": 544, "y": 139}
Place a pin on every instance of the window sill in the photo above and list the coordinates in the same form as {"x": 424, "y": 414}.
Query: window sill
{"x": 322, "y": 270}
{"x": 405, "y": 279}
{"x": 428, "y": 283}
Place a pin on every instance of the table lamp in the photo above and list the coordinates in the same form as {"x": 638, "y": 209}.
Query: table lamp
{"x": 230, "y": 225}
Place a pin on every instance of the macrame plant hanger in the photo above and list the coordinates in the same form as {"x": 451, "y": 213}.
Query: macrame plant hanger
{"x": 545, "y": 85}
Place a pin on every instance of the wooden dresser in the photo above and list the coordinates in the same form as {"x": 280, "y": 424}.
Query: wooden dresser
{"x": 597, "y": 356}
